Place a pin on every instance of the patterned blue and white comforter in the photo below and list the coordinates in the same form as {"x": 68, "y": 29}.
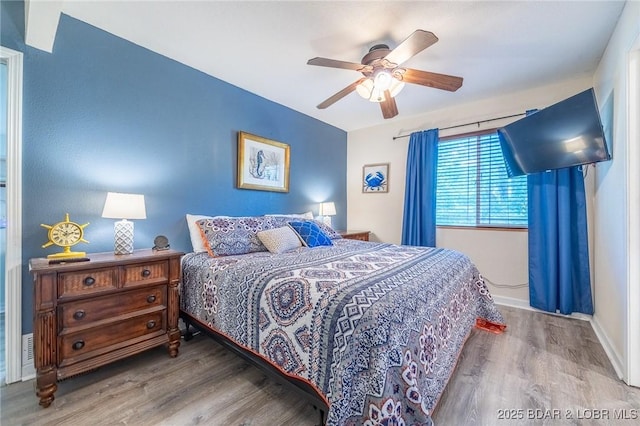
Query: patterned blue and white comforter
{"x": 376, "y": 328}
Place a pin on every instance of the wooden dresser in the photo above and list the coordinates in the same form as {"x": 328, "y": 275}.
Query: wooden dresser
{"x": 355, "y": 235}
{"x": 87, "y": 314}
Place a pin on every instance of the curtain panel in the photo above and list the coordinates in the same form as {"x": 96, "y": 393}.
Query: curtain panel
{"x": 559, "y": 275}
{"x": 419, "y": 217}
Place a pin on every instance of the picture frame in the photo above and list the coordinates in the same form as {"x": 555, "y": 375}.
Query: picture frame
{"x": 375, "y": 178}
{"x": 263, "y": 164}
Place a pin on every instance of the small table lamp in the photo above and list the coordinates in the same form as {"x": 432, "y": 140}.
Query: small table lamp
{"x": 326, "y": 211}
{"x": 124, "y": 206}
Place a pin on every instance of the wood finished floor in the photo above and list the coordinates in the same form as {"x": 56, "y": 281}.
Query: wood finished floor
{"x": 542, "y": 362}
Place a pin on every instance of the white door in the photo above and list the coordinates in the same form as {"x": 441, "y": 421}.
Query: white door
{"x": 12, "y": 244}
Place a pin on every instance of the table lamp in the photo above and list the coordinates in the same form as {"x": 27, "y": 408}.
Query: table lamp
{"x": 124, "y": 206}
{"x": 326, "y": 211}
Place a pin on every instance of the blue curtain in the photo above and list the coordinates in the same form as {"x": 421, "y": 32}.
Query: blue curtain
{"x": 559, "y": 278}
{"x": 419, "y": 219}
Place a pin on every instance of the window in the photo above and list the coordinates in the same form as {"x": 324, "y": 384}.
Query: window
{"x": 473, "y": 188}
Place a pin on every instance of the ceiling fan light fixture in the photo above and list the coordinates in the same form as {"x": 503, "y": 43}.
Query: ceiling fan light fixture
{"x": 365, "y": 88}
{"x": 377, "y": 95}
{"x": 383, "y": 80}
{"x": 395, "y": 87}
{"x": 369, "y": 90}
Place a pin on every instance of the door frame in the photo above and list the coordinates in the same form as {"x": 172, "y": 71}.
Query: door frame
{"x": 632, "y": 338}
{"x": 13, "y": 270}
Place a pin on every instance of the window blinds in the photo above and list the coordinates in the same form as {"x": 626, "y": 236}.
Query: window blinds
{"x": 473, "y": 188}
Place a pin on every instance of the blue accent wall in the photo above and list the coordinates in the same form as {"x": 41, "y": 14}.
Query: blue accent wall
{"x": 102, "y": 114}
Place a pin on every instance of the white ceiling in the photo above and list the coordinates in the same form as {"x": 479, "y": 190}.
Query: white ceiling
{"x": 497, "y": 47}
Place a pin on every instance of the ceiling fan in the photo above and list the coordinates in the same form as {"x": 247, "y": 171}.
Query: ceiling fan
{"x": 383, "y": 75}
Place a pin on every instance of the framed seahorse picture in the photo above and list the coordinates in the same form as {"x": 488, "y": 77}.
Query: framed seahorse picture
{"x": 263, "y": 164}
{"x": 375, "y": 178}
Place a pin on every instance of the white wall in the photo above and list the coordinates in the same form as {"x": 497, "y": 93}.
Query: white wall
{"x": 615, "y": 205}
{"x": 501, "y": 256}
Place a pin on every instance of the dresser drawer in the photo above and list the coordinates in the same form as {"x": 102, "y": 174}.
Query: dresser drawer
{"x": 78, "y": 346}
{"x": 145, "y": 274}
{"x": 84, "y": 312}
{"x": 86, "y": 282}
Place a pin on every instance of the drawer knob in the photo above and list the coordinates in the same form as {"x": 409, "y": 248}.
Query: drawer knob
{"x": 151, "y": 298}
{"x": 79, "y": 314}
{"x": 151, "y": 324}
{"x": 89, "y": 281}
{"x": 78, "y": 345}
{"x": 146, "y": 273}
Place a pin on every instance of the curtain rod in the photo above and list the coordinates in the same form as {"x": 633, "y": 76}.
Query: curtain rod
{"x": 467, "y": 124}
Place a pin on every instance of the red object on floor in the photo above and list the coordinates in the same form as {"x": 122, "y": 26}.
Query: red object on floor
{"x": 490, "y": 326}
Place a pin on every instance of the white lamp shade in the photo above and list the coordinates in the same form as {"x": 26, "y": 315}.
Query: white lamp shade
{"x": 382, "y": 80}
{"x": 124, "y": 206}
{"x": 364, "y": 89}
{"x": 327, "y": 209}
{"x": 373, "y": 90}
{"x": 395, "y": 87}
{"x": 377, "y": 95}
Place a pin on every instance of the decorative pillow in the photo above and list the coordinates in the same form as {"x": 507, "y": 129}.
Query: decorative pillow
{"x": 311, "y": 233}
{"x": 279, "y": 240}
{"x": 331, "y": 233}
{"x": 227, "y": 236}
{"x": 194, "y": 232}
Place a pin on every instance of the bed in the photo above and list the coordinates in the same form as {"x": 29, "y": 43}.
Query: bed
{"x": 374, "y": 330}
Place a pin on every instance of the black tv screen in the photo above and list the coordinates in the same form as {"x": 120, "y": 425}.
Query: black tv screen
{"x": 565, "y": 134}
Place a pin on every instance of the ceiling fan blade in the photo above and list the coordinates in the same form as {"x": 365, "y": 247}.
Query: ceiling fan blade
{"x": 415, "y": 43}
{"x": 332, "y": 63}
{"x": 341, "y": 94}
{"x": 432, "y": 79}
{"x": 388, "y": 106}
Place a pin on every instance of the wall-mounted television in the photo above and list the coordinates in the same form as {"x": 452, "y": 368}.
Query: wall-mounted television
{"x": 568, "y": 133}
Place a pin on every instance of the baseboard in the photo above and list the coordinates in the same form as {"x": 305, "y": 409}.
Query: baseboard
{"x": 524, "y": 304}
{"x": 28, "y": 372}
{"x": 612, "y": 354}
{"x": 512, "y": 302}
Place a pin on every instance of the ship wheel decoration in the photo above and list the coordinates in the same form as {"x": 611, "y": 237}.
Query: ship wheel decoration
{"x": 65, "y": 234}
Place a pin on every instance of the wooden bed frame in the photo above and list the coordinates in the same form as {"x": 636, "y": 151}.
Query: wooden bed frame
{"x": 299, "y": 386}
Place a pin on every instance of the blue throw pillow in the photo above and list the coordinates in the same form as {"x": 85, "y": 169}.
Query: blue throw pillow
{"x": 311, "y": 234}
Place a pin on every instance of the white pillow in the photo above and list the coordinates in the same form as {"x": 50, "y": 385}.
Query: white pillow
{"x": 194, "y": 232}
{"x": 279, "y": 240}
{"x": 305, "y": 215}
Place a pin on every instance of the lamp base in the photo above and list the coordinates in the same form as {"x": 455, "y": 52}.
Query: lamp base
{"x": 123, "y": 231}
{"x": 326, "y": 220}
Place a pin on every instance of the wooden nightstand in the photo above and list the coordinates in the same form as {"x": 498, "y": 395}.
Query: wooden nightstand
{"x": 355, "y": 235}
{"x": 87, "y": 314}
